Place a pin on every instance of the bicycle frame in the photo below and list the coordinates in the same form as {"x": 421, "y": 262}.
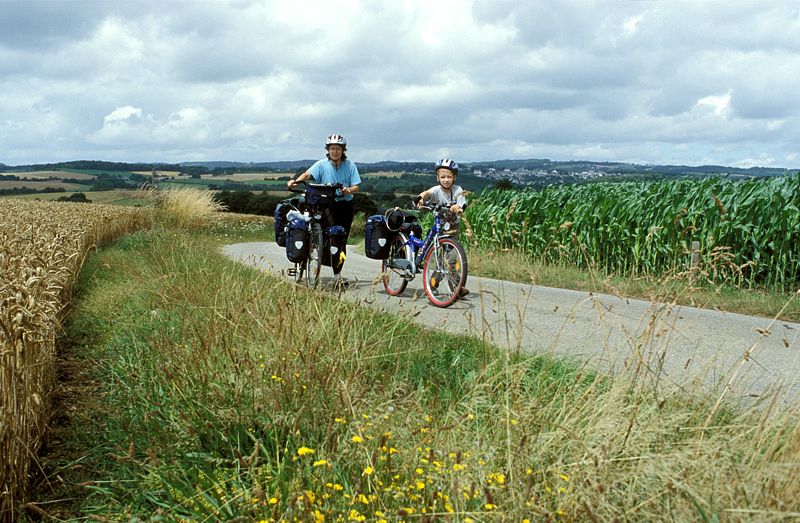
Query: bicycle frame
{"x": 416, "y": 248}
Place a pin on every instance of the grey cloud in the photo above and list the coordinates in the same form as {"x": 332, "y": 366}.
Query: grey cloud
{"x": 258, "y": 80}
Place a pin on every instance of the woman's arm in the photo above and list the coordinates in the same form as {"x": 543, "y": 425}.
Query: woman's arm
{"x": 303, "y": 177}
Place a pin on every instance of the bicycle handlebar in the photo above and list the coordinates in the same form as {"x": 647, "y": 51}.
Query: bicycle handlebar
{"x": 324, "y": 188}
{"x": 436, "y": 207}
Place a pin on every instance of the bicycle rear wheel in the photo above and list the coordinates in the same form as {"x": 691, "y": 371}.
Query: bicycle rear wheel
{"x": 444, "y": 272}
{"x": 393, "y": 278}
{"x": 314, "y": 261}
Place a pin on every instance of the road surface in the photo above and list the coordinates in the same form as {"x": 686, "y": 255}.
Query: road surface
{"x": 732, "y": 356}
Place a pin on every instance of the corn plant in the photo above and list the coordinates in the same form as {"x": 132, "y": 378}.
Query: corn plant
{"x": 748, "y": 231}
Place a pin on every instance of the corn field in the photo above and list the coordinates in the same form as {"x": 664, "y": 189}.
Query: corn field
{"x": 748, "y": 231}
{"x": 42, "y": 249}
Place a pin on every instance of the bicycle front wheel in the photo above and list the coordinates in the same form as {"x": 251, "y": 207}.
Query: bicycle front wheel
{"x": 314, "y": 262}
{"x": 393, "y": 277}
{"x": 444, "y": 272}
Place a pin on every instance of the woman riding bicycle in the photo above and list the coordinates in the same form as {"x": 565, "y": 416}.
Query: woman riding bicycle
{"x": 447, "y": 193}
{"x": 336, "y": 169}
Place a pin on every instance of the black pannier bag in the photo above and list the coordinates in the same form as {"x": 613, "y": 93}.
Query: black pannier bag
{"x": 334, "y": 249}
{"x": 297, "y": 241}
{"x": 377, "y": 238}
{"x": 411, "y": 225}
{"x": 281, "y": 222}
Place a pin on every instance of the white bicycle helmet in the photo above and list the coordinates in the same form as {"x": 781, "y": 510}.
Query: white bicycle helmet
{"x": 336, "y": 139}
{"x": 447, "y": 163}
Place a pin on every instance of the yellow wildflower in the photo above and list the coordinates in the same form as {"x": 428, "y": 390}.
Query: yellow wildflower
{"x": 304, "y": 451}
{"x": 320, "y": 462}
{"x": 369, "y": 470}
{"x": 357, "y": 439}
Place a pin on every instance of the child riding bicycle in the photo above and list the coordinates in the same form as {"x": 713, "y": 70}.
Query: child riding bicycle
{"x": 447, "y": 193}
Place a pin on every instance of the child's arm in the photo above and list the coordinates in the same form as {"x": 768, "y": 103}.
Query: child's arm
{"x": 461, "y": 201}
{"x": 424, "y": 195}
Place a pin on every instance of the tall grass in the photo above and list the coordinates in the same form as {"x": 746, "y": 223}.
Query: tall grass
{"x": 183, "y": 208}
{"x": 229, "y": 394}
{"x": 748, "y": 231}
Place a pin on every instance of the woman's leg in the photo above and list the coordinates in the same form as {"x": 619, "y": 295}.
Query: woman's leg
{"x": 343, "y": 215}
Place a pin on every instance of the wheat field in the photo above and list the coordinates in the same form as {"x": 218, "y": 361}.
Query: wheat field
{"x": 42, "y": 247}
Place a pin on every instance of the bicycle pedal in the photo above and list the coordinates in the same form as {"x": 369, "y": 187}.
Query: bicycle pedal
{"x": 291, "y": 272}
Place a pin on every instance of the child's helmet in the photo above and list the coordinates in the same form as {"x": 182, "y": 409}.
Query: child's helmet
{"x": 447, "y": 163}
{"x": 336, "y": 139}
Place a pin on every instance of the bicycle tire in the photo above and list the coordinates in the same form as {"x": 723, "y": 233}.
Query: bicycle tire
{"x": 393, "y": 280}
{"x": 314, "y": 262}
{"x": 444, "y": 272}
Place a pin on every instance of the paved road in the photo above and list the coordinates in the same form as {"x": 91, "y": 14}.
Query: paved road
{"x": 734, "y": 356}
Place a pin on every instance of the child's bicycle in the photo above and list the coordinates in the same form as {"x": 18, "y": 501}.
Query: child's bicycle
{"x": 440, "y": 258}
{"x": 310, "y": 210}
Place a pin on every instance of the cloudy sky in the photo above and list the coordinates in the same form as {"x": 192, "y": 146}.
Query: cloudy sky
{"x": 646, "y": 81}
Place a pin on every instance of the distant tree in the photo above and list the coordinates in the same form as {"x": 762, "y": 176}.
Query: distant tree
{"x": 503, "y": 184}
{"x": 363, "y": 203}
{"x": 74, "y": 197}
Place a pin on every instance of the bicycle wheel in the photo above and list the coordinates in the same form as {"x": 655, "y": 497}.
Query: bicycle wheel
{"x": 393, "y": 279}
{"x": 314, "y": 262}
{"x": 444, "y": 272}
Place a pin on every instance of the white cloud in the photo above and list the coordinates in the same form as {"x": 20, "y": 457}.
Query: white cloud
{"x": 121, "y": 114}
{"x": 718, "y": 104}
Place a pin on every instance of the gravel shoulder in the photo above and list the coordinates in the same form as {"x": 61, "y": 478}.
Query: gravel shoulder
{"x": 742, "y": 358}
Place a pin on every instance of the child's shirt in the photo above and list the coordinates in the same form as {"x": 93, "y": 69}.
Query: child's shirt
{"x": 455, "y": 195}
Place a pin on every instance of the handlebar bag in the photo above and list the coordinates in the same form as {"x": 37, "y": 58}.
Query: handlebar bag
{"x": 335, "y": 246}
{"x": 297, "y": 241}
{"x": 319, "y": 197}
{"x": 281, "y": 222}
{"x": 377, "y": 238}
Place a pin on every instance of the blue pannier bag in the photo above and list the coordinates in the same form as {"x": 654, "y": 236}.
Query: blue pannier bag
{"x": 297, "y": 241}
{"x": 377, "y": 237}
{"x": 335, "y": 247}
{"x": 280, "y": 223}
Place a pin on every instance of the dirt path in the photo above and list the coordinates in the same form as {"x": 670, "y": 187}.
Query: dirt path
{"x": 742, "y": 357}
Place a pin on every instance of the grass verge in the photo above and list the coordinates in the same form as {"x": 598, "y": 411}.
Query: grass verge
{"x": 222, "y": 393}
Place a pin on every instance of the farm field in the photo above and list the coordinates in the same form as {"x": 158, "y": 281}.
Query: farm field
{"x": 248, "y": 177}
{"x": 171, "y": 174}
{"x": 41, "y": 254}
{"x": 50, "y": 174}
{"x": 113, "y": 197}
{"x": 49, "y": 184}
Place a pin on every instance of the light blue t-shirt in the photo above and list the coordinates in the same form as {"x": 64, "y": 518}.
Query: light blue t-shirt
{"x": 323, "y": 171}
